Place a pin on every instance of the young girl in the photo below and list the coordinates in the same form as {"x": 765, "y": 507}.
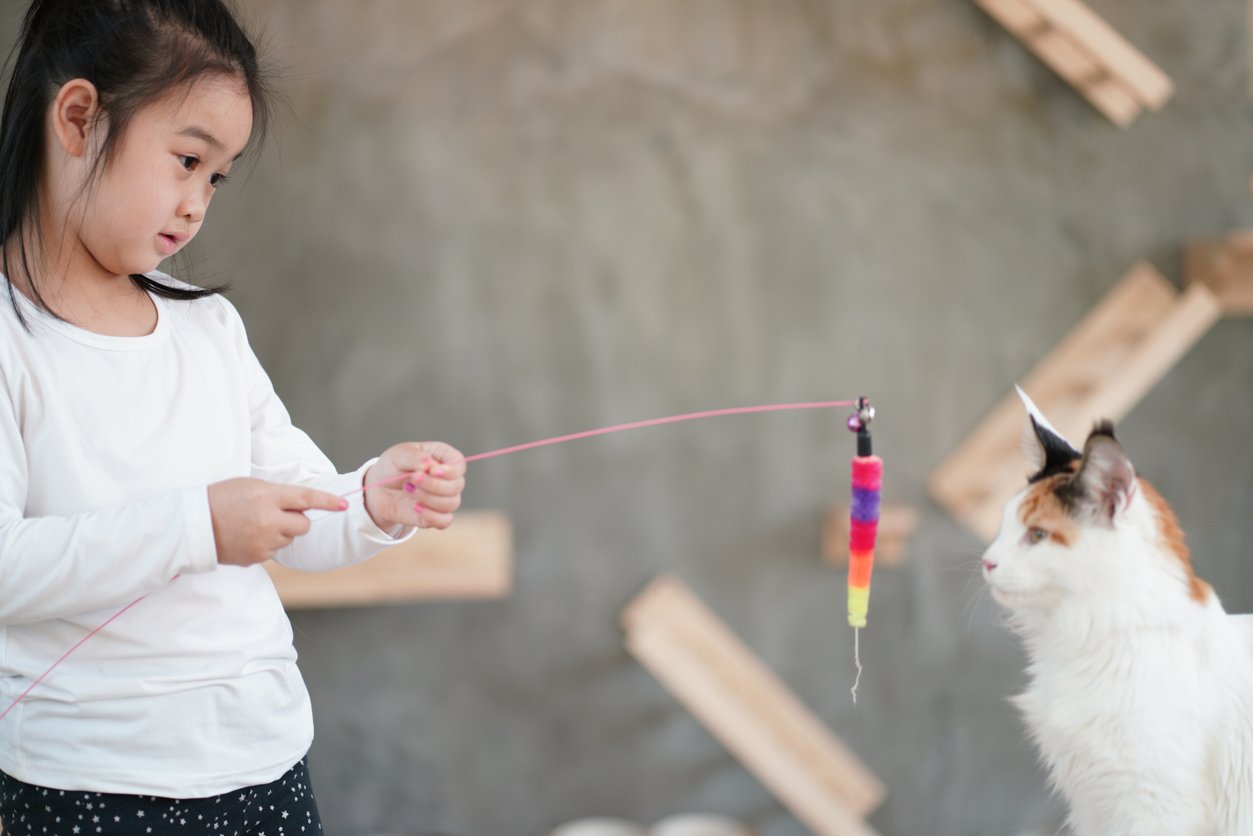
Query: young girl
{"x": 143, "y": 451}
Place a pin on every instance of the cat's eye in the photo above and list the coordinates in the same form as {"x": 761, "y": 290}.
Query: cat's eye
{"x": 1036, "y": 535}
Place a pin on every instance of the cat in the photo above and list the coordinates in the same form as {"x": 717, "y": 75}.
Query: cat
{"x": 1140, "y": 698}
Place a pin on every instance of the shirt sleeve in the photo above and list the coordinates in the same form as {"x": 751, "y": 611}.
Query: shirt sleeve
{"x": 52, "y": 567}
{"x": 283, "y": 453}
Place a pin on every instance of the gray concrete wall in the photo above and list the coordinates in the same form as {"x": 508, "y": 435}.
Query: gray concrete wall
{"x": 490, "y": 222}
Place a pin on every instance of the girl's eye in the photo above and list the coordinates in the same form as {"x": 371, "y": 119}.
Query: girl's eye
{"x": 1037, "y": 535}
{"x": 191, "y": 163}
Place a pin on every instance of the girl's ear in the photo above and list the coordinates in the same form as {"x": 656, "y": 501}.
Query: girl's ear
{"x": 1106, "y": 483}
{"x": 75, "y": 112}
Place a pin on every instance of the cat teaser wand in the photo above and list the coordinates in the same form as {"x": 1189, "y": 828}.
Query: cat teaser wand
{"x": 863, "y": 525}
{"x": 862, "y": 405}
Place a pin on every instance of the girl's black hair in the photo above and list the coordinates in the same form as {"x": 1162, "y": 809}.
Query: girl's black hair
{"x": 135, "y": 52}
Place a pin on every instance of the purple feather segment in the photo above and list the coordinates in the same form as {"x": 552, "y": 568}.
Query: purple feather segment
{"x": 867, "y": 487}
{"x": 865, "y": 505}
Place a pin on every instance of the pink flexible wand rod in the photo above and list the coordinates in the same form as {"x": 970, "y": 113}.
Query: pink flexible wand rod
{"x": 673, "y": 419}
{"x": 617, "y": 428}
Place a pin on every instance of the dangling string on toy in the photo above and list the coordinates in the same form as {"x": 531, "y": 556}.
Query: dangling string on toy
{"x": 863, "y": 526}
{"x": 691, "y": 416}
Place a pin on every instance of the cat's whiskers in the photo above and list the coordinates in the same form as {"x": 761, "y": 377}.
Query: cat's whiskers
{"x": 979, "y": 592}
{"x": 969, "y": 562}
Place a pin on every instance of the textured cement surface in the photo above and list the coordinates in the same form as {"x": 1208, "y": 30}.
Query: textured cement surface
{"x": 490, "y": 222}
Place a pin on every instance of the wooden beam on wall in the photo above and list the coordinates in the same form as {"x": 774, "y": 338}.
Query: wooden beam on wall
{"x": 1106, "y": 365}
{"x": 1225, "y": 266}
{"x": 743, "y": 704}
{"x": 473, "y": 558}
{"x": 1083, "y": 49}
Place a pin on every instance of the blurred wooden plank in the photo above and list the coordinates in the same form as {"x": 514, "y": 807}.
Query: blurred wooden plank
{"x": 1225, "y": 266}
{"x": 1107, "y": 96}
{"x": 1081, "y": 48}
{"x": 1137, "y": 73}
{"x": 743, "y": 704}
{"x": 1087, "y": 76}
{"x": 1066, "y": 57}
{"x": 1187, "y": 321}
{"x": 473, "y": 558}
{"x": 1102, "y": 369}
{"x": 1018, "y": 16}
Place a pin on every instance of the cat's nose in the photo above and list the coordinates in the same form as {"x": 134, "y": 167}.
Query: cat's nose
{"x": 988, "y": 565}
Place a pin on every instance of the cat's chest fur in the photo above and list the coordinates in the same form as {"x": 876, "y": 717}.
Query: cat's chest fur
{"x": 1149, "y": 723}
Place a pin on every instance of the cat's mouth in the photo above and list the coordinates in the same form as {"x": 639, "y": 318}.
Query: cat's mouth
{"x": 1003, "y": 597}
{"x": 1009, "y": 598}
{"x": 1024, "y": 600}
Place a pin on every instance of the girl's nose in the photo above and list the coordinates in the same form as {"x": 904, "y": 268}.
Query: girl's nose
{"x": 193, "y": 207}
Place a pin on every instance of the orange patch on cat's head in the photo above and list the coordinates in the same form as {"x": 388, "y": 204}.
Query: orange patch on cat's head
{"x": 1173, "y": 539}
{"x": 1040, "y": 508}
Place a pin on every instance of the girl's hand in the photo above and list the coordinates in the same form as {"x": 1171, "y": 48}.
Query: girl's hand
{"x": 428, "y": 496}
{"x": 253, "y": 519}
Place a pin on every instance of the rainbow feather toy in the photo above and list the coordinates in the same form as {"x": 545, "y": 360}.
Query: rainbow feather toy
{"x": 863, "y": 525}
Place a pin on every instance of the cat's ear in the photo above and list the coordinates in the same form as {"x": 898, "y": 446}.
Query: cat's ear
{"x": 1045, "y": 446}
{"x": 1106, "y": 483}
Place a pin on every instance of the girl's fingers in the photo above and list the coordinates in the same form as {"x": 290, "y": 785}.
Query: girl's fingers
{"x": 292, "y": 525}
{"x": 433, "y": 519}
{"x": 430, "y": 477}
{"x": 293, "y": 498}
{"x": 437, "y": 503}
{"x": 438, "y": 487}
{"x": 448, "y": 470}
{"x": 448, "y": 462}
{"x": 421, "y": 487}
{"x": 408, "y": 456}
{"x": 423, "y": 511}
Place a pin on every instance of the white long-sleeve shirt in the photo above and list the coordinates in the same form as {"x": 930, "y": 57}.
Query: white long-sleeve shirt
{"x": 107, "y": 448}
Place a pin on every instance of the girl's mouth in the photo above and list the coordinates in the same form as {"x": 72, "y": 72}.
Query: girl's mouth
{"x": 169, "y": 243}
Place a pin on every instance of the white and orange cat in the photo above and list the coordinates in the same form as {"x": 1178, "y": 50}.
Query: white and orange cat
{"x": 1141, "y": 685}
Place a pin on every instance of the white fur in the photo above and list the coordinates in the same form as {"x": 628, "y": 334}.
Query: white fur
{"x": 1035, "y": 413}
{"x": 1140, "y": 697}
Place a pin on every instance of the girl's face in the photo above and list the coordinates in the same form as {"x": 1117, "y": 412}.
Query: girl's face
{"x": 152, "y": 197}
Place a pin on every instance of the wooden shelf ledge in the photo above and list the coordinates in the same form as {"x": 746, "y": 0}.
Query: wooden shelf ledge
{"x": 473, "y": 558}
